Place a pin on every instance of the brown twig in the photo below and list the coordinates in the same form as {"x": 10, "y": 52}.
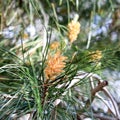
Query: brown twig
{"x": 98, "y": 88}
{"x": 45, "y": 89}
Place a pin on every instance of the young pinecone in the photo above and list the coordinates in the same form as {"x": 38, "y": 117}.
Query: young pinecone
{"x": 73, "y": 30}
{"x": 96, "y": 56}
{"x": 55, "y": 65}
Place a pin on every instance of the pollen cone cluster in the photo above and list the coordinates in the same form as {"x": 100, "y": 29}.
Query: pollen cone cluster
{"x": 55, "y": 65}
{"x": 73, "y": 30}
{"x": 96, "y": 56}
{"x": 54, "y": 45}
